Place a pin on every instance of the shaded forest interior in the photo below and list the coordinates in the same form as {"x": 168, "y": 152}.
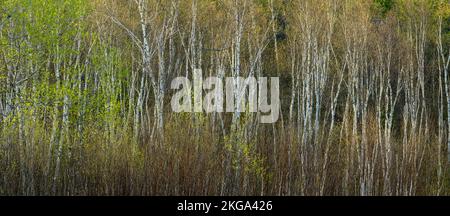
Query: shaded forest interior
{"x": 85, "y": 90}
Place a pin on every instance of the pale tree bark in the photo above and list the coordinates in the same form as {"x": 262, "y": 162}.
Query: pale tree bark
{"x": 155, "y": 34}
{"x": 444, "y": 63}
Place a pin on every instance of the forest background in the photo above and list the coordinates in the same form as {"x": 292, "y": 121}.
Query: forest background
{"x": 85, "y": 97}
